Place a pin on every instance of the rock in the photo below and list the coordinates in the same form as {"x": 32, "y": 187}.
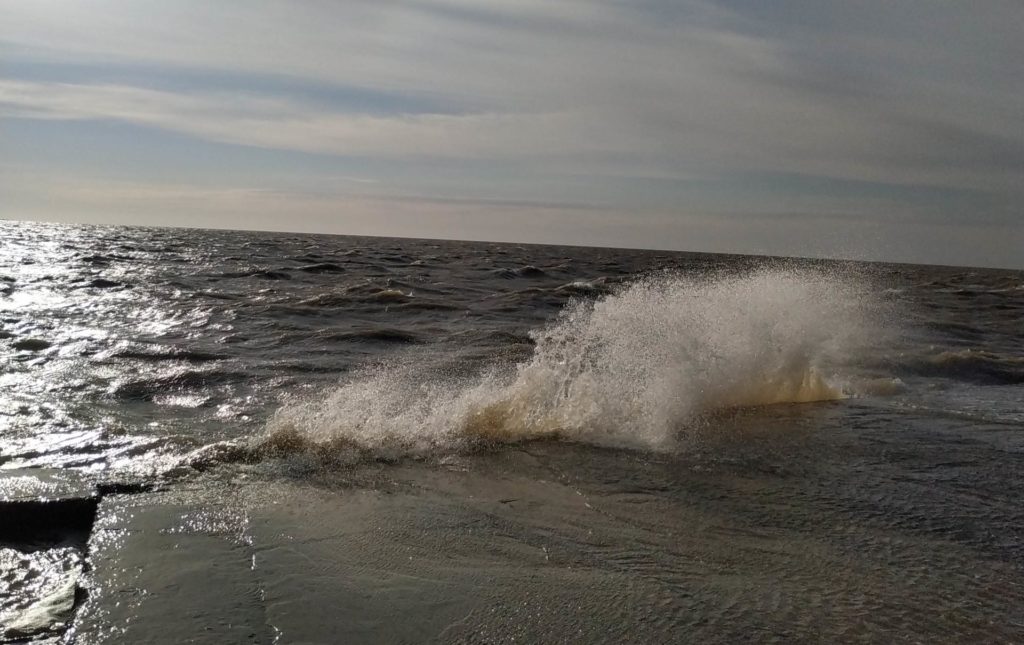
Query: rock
{"x": 166, "y": 570}
{"x": 48, "y": 614}
{"x": 42, "y": 507}
{"x": 52, "y": 484}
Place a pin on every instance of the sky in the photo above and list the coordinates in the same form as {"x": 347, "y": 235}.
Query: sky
{"x": 870, "y": 130}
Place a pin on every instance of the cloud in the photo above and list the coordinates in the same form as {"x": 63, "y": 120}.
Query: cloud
{"x": 616, "y": 99}
{"x": 744, "y": 128}
{"x": 279, "y": 123}
{"x": 696, "y": 88}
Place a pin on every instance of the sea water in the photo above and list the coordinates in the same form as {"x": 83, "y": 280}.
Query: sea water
{"x": 764, "y": 447}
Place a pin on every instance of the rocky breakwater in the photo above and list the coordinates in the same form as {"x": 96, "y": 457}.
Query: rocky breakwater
{"x": 45, "y": 520}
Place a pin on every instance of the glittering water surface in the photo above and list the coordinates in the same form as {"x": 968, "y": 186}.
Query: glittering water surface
{"x": 724, "y": 447}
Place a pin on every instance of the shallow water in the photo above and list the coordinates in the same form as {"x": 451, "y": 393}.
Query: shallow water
{"x": 723, "y": 448}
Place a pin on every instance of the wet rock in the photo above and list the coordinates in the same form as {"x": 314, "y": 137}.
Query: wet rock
{"x": 46, "y": 516}
{"x": 43, "y": 507}
{"x": 47, "y": 615}
{"x": 166, "y": 570}
{"x": 124, "y": 488}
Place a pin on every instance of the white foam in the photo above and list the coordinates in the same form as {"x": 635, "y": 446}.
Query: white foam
{"x": 631, "y": 369}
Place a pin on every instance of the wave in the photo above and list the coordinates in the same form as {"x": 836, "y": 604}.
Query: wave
{"x": 266, "y": 274}
{"x": 527, "y": 271}
{"x": 157, "y": 353}
{"x": 371, "y": 335}
{"x": 972, "y": 365}
{"x": 147, "y": 388}
{"x": 322, "y": 267}
{"x": 599, "y": 286}
{"x": 632, "y": 369}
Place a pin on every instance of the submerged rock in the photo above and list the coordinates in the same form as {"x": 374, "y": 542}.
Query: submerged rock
{"x": 166, "y": 569}
{"x": 49, "y": 614}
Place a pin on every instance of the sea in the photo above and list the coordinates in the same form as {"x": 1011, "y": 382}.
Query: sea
{"x": 588, "y": 444}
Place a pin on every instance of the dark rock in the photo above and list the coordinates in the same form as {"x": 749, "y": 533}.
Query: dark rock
{"x": 45, "y": 522}
{"x": 42, "y": 507}
{"x": 123, "y": 488}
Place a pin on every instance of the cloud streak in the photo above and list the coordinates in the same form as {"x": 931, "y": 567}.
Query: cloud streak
{"x": 278, "y": 123}
{"x": 788, "y": 136}
{"x": 656, "y": 102}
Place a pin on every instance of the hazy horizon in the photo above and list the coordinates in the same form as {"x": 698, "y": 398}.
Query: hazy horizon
{"x": 868, "y": 132}
{"x": 286, "y": 232}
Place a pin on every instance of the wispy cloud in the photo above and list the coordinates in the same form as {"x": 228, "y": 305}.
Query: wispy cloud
{"x": 698, "y": 88}
{"x": 651, "y": 102}
{"x": 279, "y": 123}
{"x": 740, "y": 135}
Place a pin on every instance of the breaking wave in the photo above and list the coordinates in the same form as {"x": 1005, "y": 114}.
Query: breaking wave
{"x": 632, "y": 369}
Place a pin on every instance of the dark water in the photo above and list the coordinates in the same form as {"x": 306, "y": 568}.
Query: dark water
{"x": 706, "y": 448}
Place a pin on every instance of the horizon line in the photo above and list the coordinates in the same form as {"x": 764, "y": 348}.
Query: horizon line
{"x": 805, "y": 258}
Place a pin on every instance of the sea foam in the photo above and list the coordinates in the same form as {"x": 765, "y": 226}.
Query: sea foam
{"x": 632, "y": 369}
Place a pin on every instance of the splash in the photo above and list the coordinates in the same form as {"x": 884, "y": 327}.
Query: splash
{"x": 631, "y": 369}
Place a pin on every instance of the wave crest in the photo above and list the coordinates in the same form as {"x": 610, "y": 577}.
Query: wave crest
{"x": 630, "y": 369}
